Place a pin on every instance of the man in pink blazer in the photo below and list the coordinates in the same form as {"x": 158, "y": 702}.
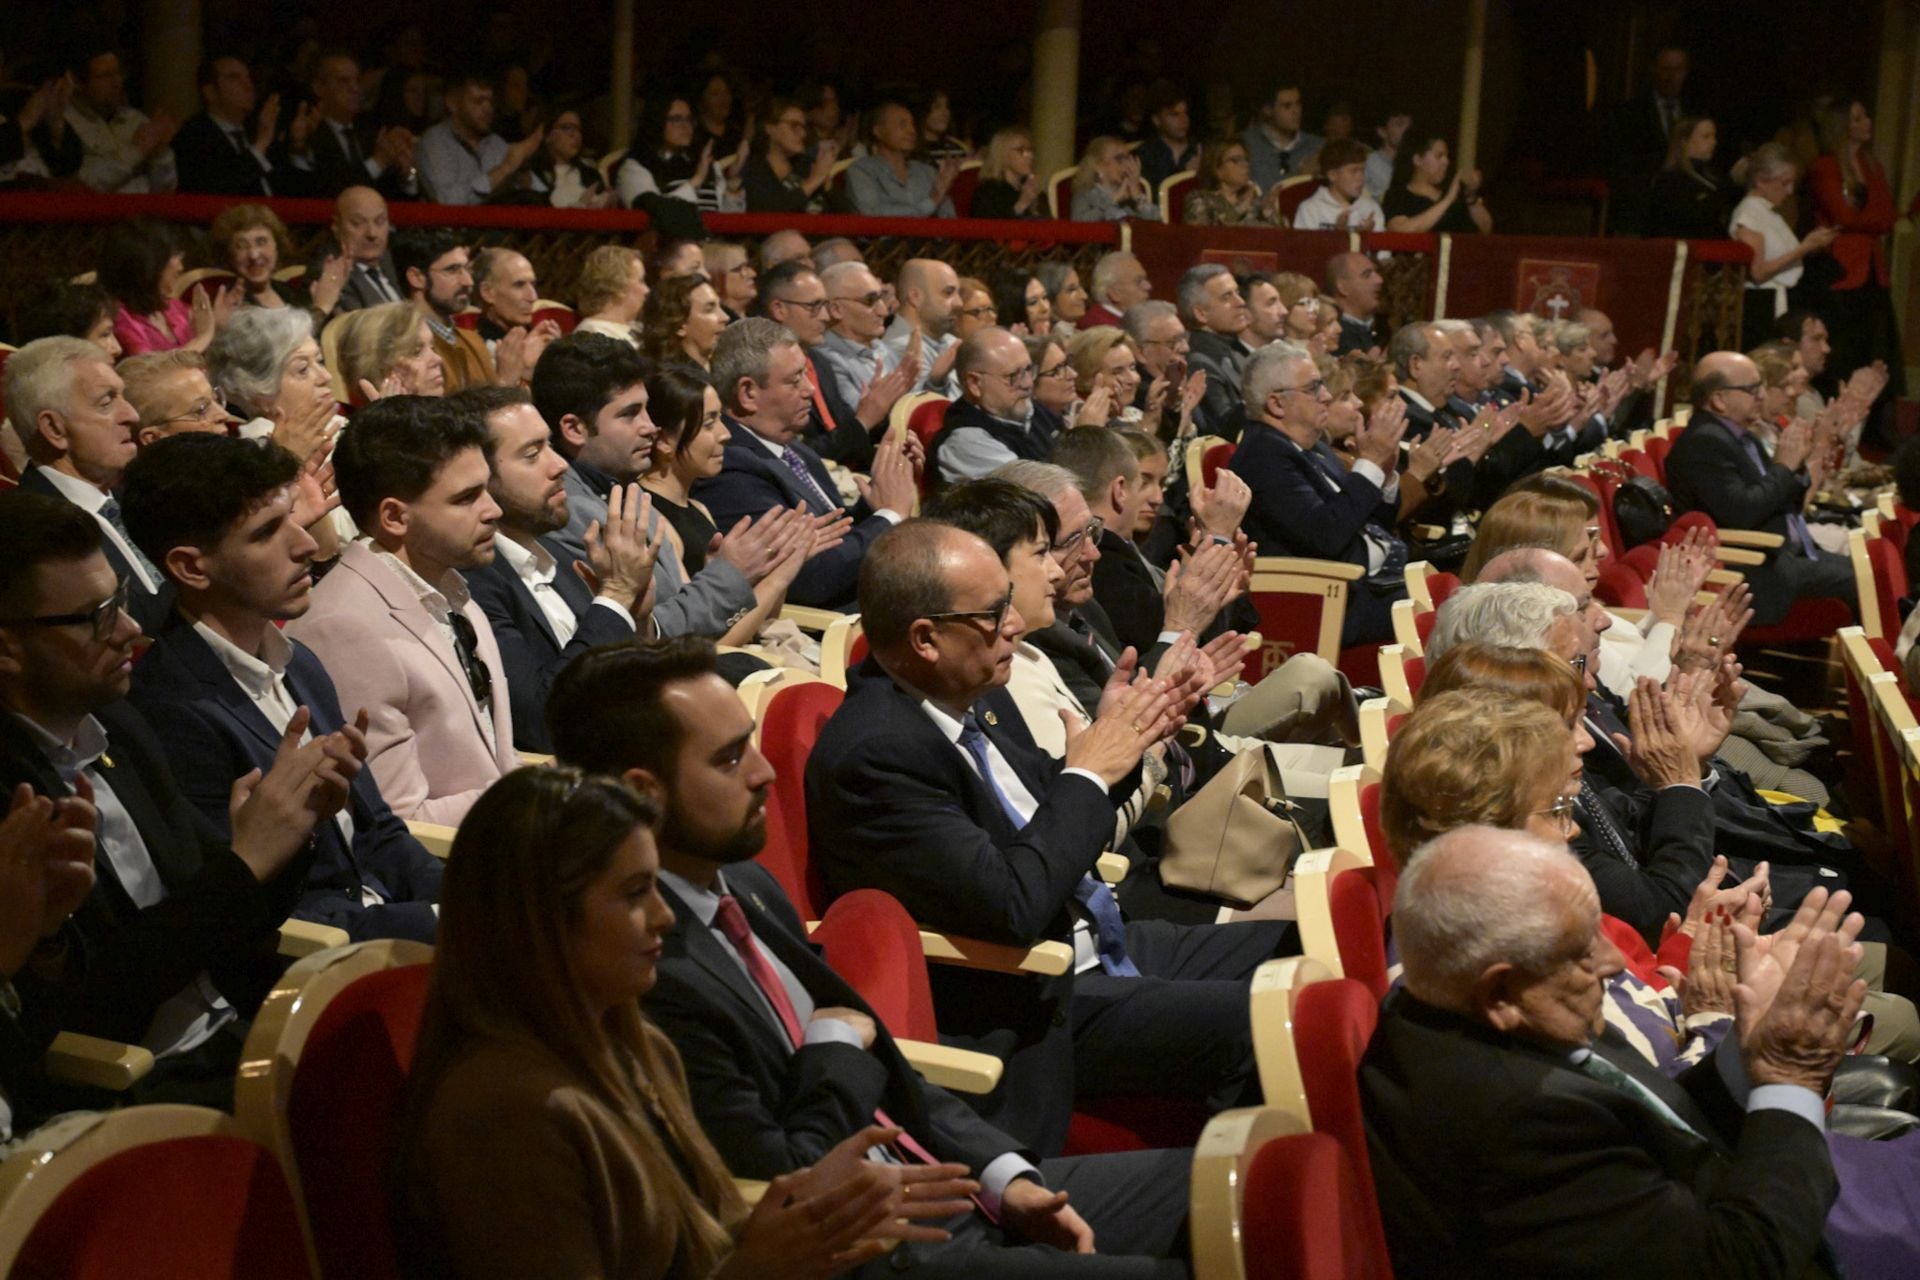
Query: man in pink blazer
{"x": 393, "y": 622}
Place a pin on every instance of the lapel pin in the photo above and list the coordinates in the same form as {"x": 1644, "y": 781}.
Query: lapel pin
{"x": 106, "y": 761}
{"x": 993, "y": 719}
{"x": 758, "y": 905}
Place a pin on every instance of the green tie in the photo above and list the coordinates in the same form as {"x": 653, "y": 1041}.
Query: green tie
{"x": 1600, "y": 1069}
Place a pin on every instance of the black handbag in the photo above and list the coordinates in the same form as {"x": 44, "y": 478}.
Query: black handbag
{"x": 1643, "y": 509}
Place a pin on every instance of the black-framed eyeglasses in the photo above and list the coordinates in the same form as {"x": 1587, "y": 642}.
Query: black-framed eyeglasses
{"x": 997, "y": 615}
{"x": 1023, "y": 376}
{"x": 1073, "y": 541}
{"x": 814, "y": 308}
{"x": 869, "y": 301}
{"x": 101, "y": 617}
{"x": 1061, "y": 372}
{"x": 979, "y": 313}
{"x": 466, "y": 644}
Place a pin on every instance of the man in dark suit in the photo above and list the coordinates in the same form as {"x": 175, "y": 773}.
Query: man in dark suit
{"x": 1216, "y": 316}
{"x": 784, "y": 1059}
{"x": 335, "y": 153}
{"x": 360, "y": 232}
{"x": 791, "y": 294}
{"x": 927, "y": 784}
{"x": 215, "y": 150}
{"x": 1306, "y": 502}
{"x": 176, "y": 941}
{"x": 1428, "y": 367}
{"x": 1717, "y": 466}
{"x": 71, "y": 411}
{"x": 543, "y": 612}
{"x": 1638, "y": 134}
{"x": 220, "y": 516}
{"x": 1510, "y": 1133}
{"x": 760, "y": 372}
{"x": 1354, "y": 284}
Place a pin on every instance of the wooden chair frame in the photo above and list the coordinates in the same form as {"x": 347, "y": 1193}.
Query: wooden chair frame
{"x": 1220, "y": 1162}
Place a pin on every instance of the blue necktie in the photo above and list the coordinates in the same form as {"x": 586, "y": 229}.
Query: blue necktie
{"x": 110, "y": 512}
{"x": 1796, "y": 526}
{"x": 798, "y": 465}
{"x": 1110, "y": 930}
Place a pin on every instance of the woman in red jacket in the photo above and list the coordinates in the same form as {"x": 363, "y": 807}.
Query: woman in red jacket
{"x": 1850, "y": 192}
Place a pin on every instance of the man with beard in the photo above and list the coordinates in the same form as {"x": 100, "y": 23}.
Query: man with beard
{"x": 546, "y": 605}
{"x": 225, "y": 520}
{"x": 783, "y": 1058}
{"x": 438, "y": 278}
{"x": 929, "y": 293}
{"x": 395, "y": 624}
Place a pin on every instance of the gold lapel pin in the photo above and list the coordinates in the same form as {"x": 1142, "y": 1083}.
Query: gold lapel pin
{"x": 993, "y": 719}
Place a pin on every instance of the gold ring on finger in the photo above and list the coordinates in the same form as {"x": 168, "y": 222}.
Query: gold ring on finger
{"x": 1714, "y": 641}
{"x": 1135, "y": 726}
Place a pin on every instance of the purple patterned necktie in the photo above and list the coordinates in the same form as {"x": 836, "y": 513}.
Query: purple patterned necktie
{"x": 798, "y": 465}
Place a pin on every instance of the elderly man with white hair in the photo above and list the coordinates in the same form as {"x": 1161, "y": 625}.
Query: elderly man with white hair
{"x": 1119, "y": 282}
{"x": 1510, "y": 1133}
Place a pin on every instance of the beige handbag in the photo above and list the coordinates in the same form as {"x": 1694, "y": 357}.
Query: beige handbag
{"x": 1236, "y": 838}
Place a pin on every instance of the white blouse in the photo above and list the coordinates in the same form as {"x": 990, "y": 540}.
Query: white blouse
{"x": 1776, "y": 238}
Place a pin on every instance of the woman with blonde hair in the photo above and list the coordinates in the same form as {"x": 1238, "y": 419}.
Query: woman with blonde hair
{"x": 1301, "y": 298}
{"x": 548, "y": 1129}
{"x": 388, "y": 350}
{"x": 1008, "y": 187}
{"x": 976, "y": 310}
{"x": 1108, "y": 186}
{"x": 610, "y": 292}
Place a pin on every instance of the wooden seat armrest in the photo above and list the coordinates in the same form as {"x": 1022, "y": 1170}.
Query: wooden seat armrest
{"x": 1739, "y": 556}
{"x": 95, "y": 1063}
{"x": 435, "y": 838}
{"x": 1752, "y": 538}
{"x": 1047, "y": 959}
{"x": 533, "y": 757}
{"x": 751, "y": 1190}
{"x": 959, "y": 1070}
{"x": 810, "y": 619}
{"x": 1320, "y": 568}
{"x": 300, "y": 938}
{"x": 1112, "y": 867}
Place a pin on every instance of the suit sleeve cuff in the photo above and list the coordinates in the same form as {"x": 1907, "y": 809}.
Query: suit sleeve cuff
{"x": 1088, "y": 774}
{"x": 626, "y": 614}
{"x": 1000, "y": 1171}
{"x": 831, "y": 1031}
{"x": 1791, "y": 1098}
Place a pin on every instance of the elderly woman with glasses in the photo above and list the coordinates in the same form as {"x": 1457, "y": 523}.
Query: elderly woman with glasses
{"x": 976, "y": 310}
{"x": 1107, "y": 375}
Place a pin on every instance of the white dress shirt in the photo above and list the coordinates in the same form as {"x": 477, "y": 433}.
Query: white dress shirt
{"x": 90, "y": 498}
{"x": 535, "y": 566}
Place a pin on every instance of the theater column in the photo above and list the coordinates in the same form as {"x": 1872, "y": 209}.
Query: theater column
{"x": 170, "y": 40}
{"x": 621, "y": 125}
{"x": 1056, "y": 85}
{"x": 1471, "y": 70}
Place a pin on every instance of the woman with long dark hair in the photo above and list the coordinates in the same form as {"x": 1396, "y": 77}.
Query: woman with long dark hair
{"x": 1851, "y": 194}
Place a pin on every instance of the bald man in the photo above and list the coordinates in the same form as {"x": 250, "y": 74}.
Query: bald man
{"x": 1718, "y": 466}
{"x": 992, "y": 422}
{"x": 505, "y": 289}
{"x": 929, "y": 294}
{"x": 360, "y": 231}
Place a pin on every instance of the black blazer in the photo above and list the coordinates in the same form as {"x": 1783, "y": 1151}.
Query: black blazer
{"x": 216, "y": 734}
{"x": 1295, "y": 511}
{"x": 1222, "y": 410}
{"x": 150, "y": 609}
{"x": 1356, "y": 335}
{"x": 358, "y": 291}
{"x": 209, "y": 164}
{"x": 893, "y": 805}
{"x": 752, "y": 481}
{"x": 1494, "y": 1157}
{"x": 1710, "y": 470}
{"x": 1673, "y": 842}
{"x": 216, "y": 918}
{"x": 1125, "y": 588}
{"x": 530, "y": 653}
{"x": 334, "y": 171}
{"x": 768, "y": 1108}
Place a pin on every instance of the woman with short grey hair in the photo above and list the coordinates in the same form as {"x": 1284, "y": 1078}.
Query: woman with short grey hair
{"x": 1779, "y": 256}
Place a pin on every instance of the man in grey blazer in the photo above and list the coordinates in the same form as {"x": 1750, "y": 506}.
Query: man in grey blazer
{"x": 592, "y": 391}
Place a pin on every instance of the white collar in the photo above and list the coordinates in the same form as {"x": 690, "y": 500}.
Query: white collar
{"x": 441, "y": 600}
{"x": 84, "y": 494}
{"x": 704, "y": 903}
{"x": 69, "y": 758}
{"x": 533, "y": 565}
{"x": 255, "y": 675}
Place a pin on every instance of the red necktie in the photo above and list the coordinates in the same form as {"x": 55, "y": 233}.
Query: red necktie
{"x": 733, "y": 922}
{"x": 819, "y": 400}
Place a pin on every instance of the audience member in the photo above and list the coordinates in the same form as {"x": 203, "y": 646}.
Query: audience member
{"x": 774, "y": 179}
{"x": 545, "y": 612}
{"x": 1391, "y": 129}
{"x": 592, "y": 392}
{"x": 252, "y": 242}
{"x": 785, "y": 245}
{"x": 1779, "y": 256}
{"x": 175, "y": 961}
{"x": 124, "y": 150}
{"x": 729, "y": 270}
{"x": 759, "y": 1081}
{"x": 1119, "y": 282}
{"x": 266, "y": 366}
{"x": 1224, "y": 195}
{"x": 548, "y": 1125}
{"x": 1106, "y": 370}
{"x": 394, "y": 623}
{"x": 360, "y": 234}
{"x": 681, "y": 321}
{"x": 339, "y": 149}
{"x": 760, "y": 374}
{"x": 61, "y": 308}
{"x": 609, "y": 293}
{"x": 1342, "y": 203}
{"x": 224, "y": 518}
{"x": 1276, "y": 145}
{"x": 36, "y": 140}
{"x": 1171, "y": 149}
{"x": 1108, "y": 187}
{"x": 140, "y": 266}
{"x": 851, "y": 347}
{"x": 976, "y": 830}
{"x": 505, "y": 290}
{"x": 74, "y": 418}
{"x": 792, "y": 295}
{"x": 992, "y": 421}
{"x": 1850, "y": 194}
{"x": 1216, "y": 317}
{"x": 1691, "y": 199}
{"x": 561, "y": 168}
{"x": 888, "y": 182}
{"x": 170, "y": 391}
{"x": 433, "y": 267}
{"x": 669, "y": 167}
{"x": 214, "y": 151}
{"x": 929, "y": 293}
{"x": 1020, "y": 301}
{"x": 462, "y": 160}
{"x": 1354, "y": 283}
{"x": 391, "y": 349}
{"x": 976, "y": 310}
{"x": 1065, "y": 294}
{"x": 1266, "y": 313}
{"x": 1306, "y": 502}
{"x": 835, "y": 249}
{"x": 1641, "y": 135}
{"x": 1420, "y": 197}
{"x": 1160, "y": 338}
{"x": 1716, "y": 466}
{"x": 938, "y": 140}
{"x": 1055, "y": 393}
{"x": 1008, "y": 186}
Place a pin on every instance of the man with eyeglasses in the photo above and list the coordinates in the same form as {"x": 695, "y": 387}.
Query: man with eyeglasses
{"x": 173, "y": 396}
{"x": 1157, "y": 330}
{"x": 222, "y": 516}
{"x": 77, "y": 424}
{"x": 1717, "y": 466}
{"x": 856, "y": 320}
{"x": 1216, "y": 316}
{"x": 394, "y": 622}
{"x": 929, "y": 293}
{"x": 791, "y": 294}
{"x": 927, "y": 784}
{"x": 990, "y": 424}
{"x": 174, "y": 947}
